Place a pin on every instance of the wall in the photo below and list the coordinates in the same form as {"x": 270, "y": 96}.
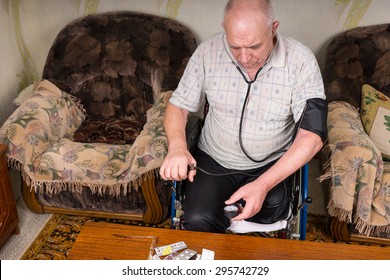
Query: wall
{"x": 28, "y": 27}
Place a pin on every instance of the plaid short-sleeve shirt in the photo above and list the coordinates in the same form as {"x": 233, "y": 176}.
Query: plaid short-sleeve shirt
{"x": 275, "y": 103}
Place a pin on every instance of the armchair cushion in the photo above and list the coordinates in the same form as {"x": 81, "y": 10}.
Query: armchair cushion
{"x": 112, "y": 131}
{"x": 375, "y": 114}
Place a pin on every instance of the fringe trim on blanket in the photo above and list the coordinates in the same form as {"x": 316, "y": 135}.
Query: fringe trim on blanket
{"x": 58, "y": 186}
{"x": 369, "y": 230}
{"x": 341, "y": 214}
{"x": 13, "y": 163}
{"x": 77, "y": 102}
{"x": 48, "y": 85}
{"x": 360, "y": 225}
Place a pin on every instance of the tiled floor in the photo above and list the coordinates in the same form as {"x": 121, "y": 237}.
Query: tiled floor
{"x": 30, "y": 225}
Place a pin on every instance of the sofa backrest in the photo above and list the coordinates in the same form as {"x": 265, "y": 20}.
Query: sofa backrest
{"x": 355, "y": 57}
{"x": 114, "y": 62}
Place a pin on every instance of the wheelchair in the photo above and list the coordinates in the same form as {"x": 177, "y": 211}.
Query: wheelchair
{"x": 293, "y": 227}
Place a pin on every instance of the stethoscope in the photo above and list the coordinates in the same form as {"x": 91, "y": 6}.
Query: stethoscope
{"x": 232, "y": 210}
{"x": 249, "y": 83}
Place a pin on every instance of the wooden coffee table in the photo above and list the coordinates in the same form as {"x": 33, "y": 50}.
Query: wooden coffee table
{"x": 100, "y": 240}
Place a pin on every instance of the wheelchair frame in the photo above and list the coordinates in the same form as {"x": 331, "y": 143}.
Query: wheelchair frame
{"x": 296, "y": 226}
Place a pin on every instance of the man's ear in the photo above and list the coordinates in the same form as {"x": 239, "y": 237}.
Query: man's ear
{"x": 275, "y": 26}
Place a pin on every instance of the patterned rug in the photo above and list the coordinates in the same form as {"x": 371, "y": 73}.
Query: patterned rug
{"x": 56, "y": 239}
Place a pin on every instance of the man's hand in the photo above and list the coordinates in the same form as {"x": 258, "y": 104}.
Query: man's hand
{"x": 176, "y": 165}
{"x": 254, "y": 195}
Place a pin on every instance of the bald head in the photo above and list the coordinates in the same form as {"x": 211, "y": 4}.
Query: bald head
{"x": 250, "y": 31}
{"x": 260, "y": 10}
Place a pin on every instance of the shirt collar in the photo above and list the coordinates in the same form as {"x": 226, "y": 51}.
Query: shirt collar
{"x": 278, "y": 55}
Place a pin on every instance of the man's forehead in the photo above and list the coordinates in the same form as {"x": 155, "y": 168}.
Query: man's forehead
{"x": 245, "y": 41}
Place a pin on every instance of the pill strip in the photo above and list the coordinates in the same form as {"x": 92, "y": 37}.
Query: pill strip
{"x": 168, "y": 249}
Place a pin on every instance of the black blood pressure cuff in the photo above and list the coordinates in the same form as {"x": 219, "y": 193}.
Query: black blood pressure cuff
{"x": 315, "y": 116}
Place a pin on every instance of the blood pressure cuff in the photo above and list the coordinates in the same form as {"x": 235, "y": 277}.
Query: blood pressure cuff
{"x": 315, "y": 116}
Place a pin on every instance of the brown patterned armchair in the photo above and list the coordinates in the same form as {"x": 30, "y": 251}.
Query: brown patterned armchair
{"x": 90, "y": 140}
{"x": 356, "y": 170}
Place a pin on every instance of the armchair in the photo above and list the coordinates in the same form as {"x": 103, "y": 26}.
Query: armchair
{"x": 90, "y": 140}
{"x": 356, "y": 166}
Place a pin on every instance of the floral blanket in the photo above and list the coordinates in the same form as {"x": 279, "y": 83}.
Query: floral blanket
{"x": 39, "y": 135}
{"x": 360, "y": 179}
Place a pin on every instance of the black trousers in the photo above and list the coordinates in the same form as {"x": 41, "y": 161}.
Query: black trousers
{"x": 204, "y": 198}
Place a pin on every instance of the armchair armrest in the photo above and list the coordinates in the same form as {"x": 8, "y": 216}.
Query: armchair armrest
{"x": 48, "y": 115}
{"x": 354, "y": 164}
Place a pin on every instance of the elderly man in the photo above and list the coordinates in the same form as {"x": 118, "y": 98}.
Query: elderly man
{"x": 266, "y": 119}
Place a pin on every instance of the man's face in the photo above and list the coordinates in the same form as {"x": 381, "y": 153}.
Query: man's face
{"x": 251, "y": 45}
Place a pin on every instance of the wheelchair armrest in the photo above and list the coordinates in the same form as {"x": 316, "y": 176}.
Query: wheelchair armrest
{"x": 193, "y": 129}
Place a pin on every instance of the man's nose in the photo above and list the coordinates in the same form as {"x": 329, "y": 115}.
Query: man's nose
{"x": 244, "y": 55}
